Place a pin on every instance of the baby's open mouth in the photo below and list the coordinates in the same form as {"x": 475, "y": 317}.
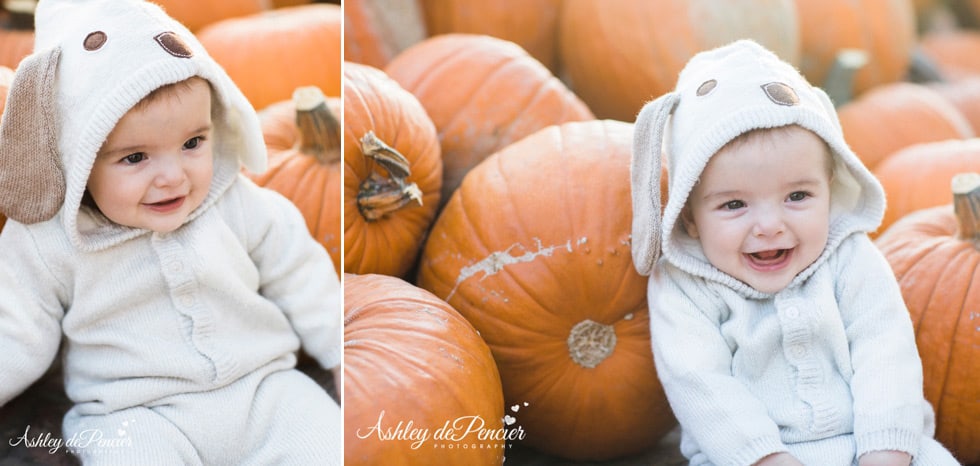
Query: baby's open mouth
{"x": 166, "y": 204}
{"x": 772, "y": 258}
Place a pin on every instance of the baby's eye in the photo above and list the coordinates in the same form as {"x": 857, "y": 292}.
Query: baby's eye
{"x": 134, "y": 158}
{"x": 193, "y": 142}
{"x": 733, "y": 205}
{"x": 797, "y": 196}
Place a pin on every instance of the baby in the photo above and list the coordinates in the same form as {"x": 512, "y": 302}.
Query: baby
{"x": 181, "y": 291}
{"x": 778, "y": 330}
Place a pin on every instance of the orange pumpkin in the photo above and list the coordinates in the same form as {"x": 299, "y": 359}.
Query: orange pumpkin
{"x": 964, "y": 94}
{"x": 411, "y": 361}
{"x": 303, "y": 139}
{"x": 955, "y": 54}
{"x": 935, "y": 254}
{"x": 894, "y": 116}
{"x": 482, "y": 93}
{"x": 16, "y": 36}
{"x": 195, "y": 14}
{"x": 555, "y": 295}
{"x": 270, "y": 54}
{"x": 532, "y": 24}
{"x": 377, "y": 30}
{"x": 884, "y": 29}
{"x": 619, "y": 54}
{"x": 389, "y": 200}
{"x": 918, "y": 176}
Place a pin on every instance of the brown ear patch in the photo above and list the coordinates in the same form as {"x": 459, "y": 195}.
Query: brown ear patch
{"x": 94, "y": 41}
{"x": 706, "y": 87}
{"x": 174, "y": 45}
{"x": 781, "y": 94}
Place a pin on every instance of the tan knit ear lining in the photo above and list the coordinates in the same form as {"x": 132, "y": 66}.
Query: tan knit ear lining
{"x": 648, "y": 137}
{"x": 32, "y": 181}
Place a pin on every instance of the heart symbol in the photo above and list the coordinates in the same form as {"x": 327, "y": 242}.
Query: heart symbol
{"x": 509, "y": 420}
{"x": 525, "y": 403}
{"x": 515, "y": 408}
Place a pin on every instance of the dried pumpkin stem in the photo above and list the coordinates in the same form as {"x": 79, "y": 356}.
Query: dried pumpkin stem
{"x": 966, "y": 205}
{"x": 319, "y": 129}
{"x": 840, "y": 79}
{"x": 590, "y": 343}
{"x": 380, "y": 195}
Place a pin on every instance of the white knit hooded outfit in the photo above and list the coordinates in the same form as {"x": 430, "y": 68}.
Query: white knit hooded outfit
{"x": 179, "y": 348}
{"x": 827, "y": 368}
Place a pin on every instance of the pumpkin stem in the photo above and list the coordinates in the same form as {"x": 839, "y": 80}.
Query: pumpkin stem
{"x": 318, "y": 127}
{"x": 840, "y": 79}
{"x": 380, "y": 195}
{"x": 590, "y": 343}
{"x": 966, "y": 205}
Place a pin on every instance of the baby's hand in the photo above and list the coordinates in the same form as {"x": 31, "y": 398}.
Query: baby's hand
{"x": 779, "y": 459}
{"x": 885, "y": 458}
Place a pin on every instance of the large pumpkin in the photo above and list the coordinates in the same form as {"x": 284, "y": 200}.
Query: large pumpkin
{"x": 532, "y": 24}
{"x": 935, "y": 254}
{"x": 964, "y": 94}
{"x": 955, "y": 54}
{"x": 303, "y": 140}
{"x": 619, "y": 54}
{"x": 894, "y": 116}
{"x": 411, "y": 361}
{"x": 270, "y": 54}
{"x": 884, "y": 29}
{"x": 534, "y": 250}
{"x": 377, "y": 30}
{"x": 482, "y": 93}
{"x": 918, "y": 176}
{"x": 195, "y": 14}
{"x": 390, "y": 200}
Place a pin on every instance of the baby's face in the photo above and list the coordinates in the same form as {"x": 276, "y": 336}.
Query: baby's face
{"x": 155, "y": 167}
{"x": 762, "y": 207}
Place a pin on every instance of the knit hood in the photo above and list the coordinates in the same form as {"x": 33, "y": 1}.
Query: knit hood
{"x": 721, "y": 94}
{"x": 93, "y": 61}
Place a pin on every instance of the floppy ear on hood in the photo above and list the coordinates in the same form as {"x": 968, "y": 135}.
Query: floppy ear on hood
{"x": 32, "y": 180}
{"x": 648, "y": 137}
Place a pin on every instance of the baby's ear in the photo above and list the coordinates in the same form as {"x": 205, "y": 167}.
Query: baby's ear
{"x": 32, "y": 180}
{"x": 687, "y": 218}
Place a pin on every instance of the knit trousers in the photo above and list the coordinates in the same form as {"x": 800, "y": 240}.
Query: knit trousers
{"x": 283, "y": 418}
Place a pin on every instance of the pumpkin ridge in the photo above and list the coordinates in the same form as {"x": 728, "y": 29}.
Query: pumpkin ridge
{"x": 498, "y": 69}
{"x": 525, "y": 233}
{"x": 939, "y": 406}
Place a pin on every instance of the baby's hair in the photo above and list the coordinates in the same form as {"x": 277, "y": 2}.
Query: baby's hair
{"x": 168, "y": 90}
{"x": 760, "y": 132}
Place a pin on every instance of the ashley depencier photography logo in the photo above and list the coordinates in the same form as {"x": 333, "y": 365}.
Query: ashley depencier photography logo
{"x": 462, "y": 432}
{"x": 91, "y": 439}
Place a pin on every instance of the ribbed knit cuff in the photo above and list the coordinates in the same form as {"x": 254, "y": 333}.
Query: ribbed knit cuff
{"x": 889, "y": 439}
{"x": 757, "y": 449}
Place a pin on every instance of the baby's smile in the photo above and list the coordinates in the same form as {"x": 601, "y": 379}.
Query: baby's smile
{"x": 166, "y": 205}
{"x": 769, "y": 260}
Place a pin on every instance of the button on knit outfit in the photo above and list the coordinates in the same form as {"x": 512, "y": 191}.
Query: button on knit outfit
{"x": 180, "y": 347}
{"x": 825, "y": 369}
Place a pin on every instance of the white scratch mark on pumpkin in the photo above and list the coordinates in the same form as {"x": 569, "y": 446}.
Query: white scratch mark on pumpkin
{"x": 496, "y": 261}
